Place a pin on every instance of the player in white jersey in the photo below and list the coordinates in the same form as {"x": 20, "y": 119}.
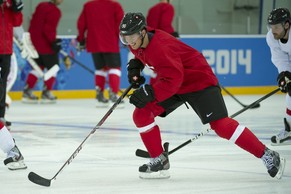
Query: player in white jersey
{"x": 278, "y": 39}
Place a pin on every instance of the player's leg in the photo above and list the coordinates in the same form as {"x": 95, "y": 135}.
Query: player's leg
{"x": 284, "y": 136}
{"x": 113, "y": 62}
{"x": 210, "y": 107}
{"x": 49, "y": 61}
{"x": 159, "y": 165}
{"x": 100, "y": 79}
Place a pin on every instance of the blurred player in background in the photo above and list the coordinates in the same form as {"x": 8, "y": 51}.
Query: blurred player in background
{"x": 161, "y": 16}
{"x": 98, "y": 32}
{"x": 43, "y": 33}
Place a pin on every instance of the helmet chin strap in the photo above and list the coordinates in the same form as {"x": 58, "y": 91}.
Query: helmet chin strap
{"x": 142, "y": 40}
{"x": 285, "y": 30}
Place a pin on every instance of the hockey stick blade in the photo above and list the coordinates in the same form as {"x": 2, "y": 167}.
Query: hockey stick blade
{"x": 35, "y": 178}
{"x": 243, "y": 105}
{"x": 145, "y": 154}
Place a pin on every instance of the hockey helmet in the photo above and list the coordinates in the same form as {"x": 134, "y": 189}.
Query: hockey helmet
{"x": 279, "y": 15}
{"x": 132, "y": 23}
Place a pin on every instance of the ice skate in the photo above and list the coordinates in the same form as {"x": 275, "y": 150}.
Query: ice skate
{"x": 274, "y": 163}
{"x": 113, "y": 97}
{"x": 28, "y": 96}
{"x": 283, "y": 137}
{"x": 157, "y": 168}
{"x": 101, "y": 100}
{"x": 47, "y": 97}
{"x": 15, "y": 160}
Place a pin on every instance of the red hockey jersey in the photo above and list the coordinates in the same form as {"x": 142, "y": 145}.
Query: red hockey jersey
{"x": 43, "y": 27}
{"x": 98, "y": 24}
{"x": 161, "y": 16}
{"x": 180, "y": 68}
{"x": 9, "y": 19}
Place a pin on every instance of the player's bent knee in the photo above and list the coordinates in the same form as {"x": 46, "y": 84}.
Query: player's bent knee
{"x": 224, "y": 127}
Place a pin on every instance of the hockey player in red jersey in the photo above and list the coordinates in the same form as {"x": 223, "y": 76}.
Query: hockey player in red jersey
{"x": 161, "y": 15}
{"x": 183, "y": 75}
{"x": 98, "y": 31}
{"x": 43, "y": 33}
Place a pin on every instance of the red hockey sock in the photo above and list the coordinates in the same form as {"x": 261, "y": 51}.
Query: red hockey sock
{"x": 49, "y": 83}
{"x": 249, "y": 142}
{"x": 31, "y": 80}
{"x": 100, "y": 81}
{"x": 152, "y": 140}
{"x": 114, "y": 79}
{"x": 230, "y": 129}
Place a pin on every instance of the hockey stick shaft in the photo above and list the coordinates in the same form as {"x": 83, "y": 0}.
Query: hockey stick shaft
{"x": 231, "y": 95}
{"x": 33, "y": 177}
{"x": 76, "y": 61}
{"x": 145, "y": 154}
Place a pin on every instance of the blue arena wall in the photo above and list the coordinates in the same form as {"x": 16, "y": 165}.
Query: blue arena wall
{"x": 238, "y": 61}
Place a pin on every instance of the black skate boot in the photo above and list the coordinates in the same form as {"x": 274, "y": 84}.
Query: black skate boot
{"x": 47, "y": 97}
{"x": 157, "y": 168}
{"x": 274, "y": 163}
{"x": 283, "y": 137}
{"x": 15, "y": 160}
{"x": 101, "y": 100}
{"x": 28, "y": 96}
{"x": 113, "y": 97}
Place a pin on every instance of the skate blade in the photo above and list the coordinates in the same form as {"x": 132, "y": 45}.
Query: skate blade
{"x": 27, "y": 101}
{"x": 44, "y": 101}
{"x": 163, "y": 174}
{"x": 281, "y": 144}
{"x": 282, "y": 168}
{"x": 16, "y": 165}
{"x": 102, "y": 105}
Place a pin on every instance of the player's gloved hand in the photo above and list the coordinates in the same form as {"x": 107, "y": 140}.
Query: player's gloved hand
{"x": 81, "y": 45}
{"x": 57, "y": 45}
{"x": 142, "y": 96}
{"x": 176, "y": 34}
{"x": 17, "y": 5}
{"x": 284, "y": 81}
{"x": 134, "y": 68}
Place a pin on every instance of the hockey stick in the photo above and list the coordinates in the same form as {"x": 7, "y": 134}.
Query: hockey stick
{"x": 76, "y": 61}
{"x": 145, "y": 154}
{"x": 35, "y": 178}
{"x": 231, "y": 95}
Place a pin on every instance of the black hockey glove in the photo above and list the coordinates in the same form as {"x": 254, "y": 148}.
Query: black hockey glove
{"x": 134, "y": 68}
{"x": 81, "y": 45}
{"x": 57, "y": 45}
{"x": 175, "y": 34}
{"x": 284, "y": 82}
{"x": 142, "y": 96}
{"x": 17, "y": 5}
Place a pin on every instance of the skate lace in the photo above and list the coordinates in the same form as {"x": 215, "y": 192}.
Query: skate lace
{"x": 13, "y": 153}
{"x": 154, "y": 161}
{"x": 268, "y": 161}
{"x": 282, "y": 134}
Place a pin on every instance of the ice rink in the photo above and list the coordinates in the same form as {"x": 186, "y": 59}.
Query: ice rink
{"x": 47, "y": 135}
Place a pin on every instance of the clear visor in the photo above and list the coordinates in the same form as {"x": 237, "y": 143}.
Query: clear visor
{"x": 129, "y": 39}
